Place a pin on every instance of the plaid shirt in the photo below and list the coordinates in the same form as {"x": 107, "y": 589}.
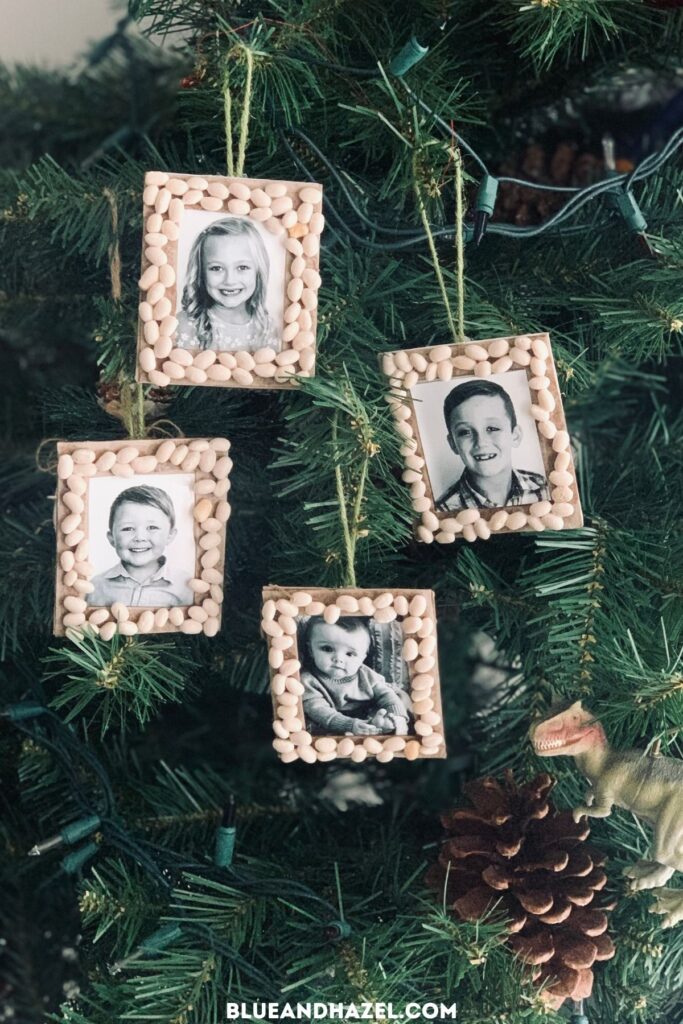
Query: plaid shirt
{"x": 162, "y": 589}
{"x": 525, "y": 488}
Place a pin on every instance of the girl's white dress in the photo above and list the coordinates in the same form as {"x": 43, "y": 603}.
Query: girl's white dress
{"x": 237, "y": 338}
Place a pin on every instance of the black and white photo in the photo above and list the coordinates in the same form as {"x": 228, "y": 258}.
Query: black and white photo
{"x": 480, "y": 441}
{"x": 231, "y": 284}
{"x": 354, "y": 678}
{"x": 142, "y": 545}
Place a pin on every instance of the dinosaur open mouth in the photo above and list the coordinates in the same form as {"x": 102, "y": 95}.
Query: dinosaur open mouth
{"x": 542, "y": 745}
{"x": 548, "y": 744}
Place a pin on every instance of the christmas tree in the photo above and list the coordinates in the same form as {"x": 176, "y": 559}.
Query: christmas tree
{"x": 136, "y": 753}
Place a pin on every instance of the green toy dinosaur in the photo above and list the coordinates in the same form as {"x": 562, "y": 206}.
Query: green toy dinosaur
{"x": 651, "y": 787}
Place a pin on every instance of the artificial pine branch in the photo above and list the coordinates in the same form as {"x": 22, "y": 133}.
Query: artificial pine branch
{"x": 121, "y": 677}
{"x": 186, "y": 724}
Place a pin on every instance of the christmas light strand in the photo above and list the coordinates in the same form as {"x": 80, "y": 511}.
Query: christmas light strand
{"x": 581, "y": 197}
{"x": 410, "y": 54}
{"x": 64, "y": 745}
{"x": 149, "y": 856}
{"x": 576, "y": 190}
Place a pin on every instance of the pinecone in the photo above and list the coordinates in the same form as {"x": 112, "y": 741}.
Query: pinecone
{"x": 516, "y": 852}
{"x": 564, "y": 165}
{"x": 156, "y": 402}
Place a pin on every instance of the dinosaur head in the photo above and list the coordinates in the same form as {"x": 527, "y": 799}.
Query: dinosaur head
{"x": 567, "y": 732}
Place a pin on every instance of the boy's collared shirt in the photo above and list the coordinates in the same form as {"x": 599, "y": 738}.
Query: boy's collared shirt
{"x": 525, "y": 488}
{"x": 165, "y": 588}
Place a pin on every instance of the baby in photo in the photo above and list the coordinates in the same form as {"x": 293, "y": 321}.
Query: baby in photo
{"x": 482, "y": 430}
{"x": 342, "y": 694}
{"x": 141, "y": 526}
{"x": 224, "y": 298}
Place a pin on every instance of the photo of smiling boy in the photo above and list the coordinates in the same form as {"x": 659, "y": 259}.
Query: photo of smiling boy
{"x": 224, "y": 296}
{"x": 342, "y": 693}
{"x": 483, "y": 430}
{"x": 141, "y": 526}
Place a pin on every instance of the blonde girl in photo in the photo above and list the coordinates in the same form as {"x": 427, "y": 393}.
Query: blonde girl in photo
{"x": 223, "y": 305}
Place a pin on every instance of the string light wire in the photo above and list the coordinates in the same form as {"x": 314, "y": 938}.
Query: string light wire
{"x": 148, "y": 855}
{"x": 649, "y": 166}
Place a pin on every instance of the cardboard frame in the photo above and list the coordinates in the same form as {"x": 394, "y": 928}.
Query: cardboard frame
{"x": 81, "y": 461}
{"x": 290, "y": 210}
{"x": 416, "y": 611}
{"x": 533, "y": 354}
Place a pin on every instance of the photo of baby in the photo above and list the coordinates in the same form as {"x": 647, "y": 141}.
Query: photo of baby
{"x": 154, "y": 561}
{"x": 480, "y": 442}
{"x": 345, "y": 693}
{"x": 230, "y": 284}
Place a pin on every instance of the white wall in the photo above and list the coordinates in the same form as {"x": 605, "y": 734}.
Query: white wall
{"x": 53, "y": 33}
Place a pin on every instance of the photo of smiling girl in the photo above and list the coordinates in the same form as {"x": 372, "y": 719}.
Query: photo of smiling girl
{"x": 224, "y": 296}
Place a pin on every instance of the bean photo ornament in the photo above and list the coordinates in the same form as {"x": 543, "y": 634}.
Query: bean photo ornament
{"x": 485, "y": 443}
{"x": 141, "y": 530}
{"x": 354, "y": 674}
{"x": 229, "y": 283}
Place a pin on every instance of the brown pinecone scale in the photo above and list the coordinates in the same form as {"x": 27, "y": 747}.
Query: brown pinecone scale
{"x": 156, "y": 402}
{"x": 563, "y": 165}
{"x": 514, "y": 851}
